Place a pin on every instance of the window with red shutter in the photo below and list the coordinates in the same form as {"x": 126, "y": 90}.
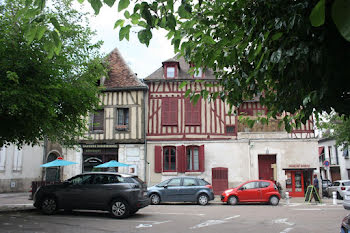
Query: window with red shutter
{"x": 169, "y": 158}
{"x": 192, "y": 113}
{"x": 157, "y": 159}
{"x": 169, "y": 111}
{"x": 192, "y": 158}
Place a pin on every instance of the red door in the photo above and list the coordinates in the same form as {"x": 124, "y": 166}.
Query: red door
{"x": 297, "y": 184}
{"x": 265, "y": 169}
{"x": 219, "y": 179}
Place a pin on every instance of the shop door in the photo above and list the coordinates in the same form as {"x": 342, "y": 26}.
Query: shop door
{"x": 219, "y": 179}
{"x": 265, "y": 168}
{"x": 295, "y": 183}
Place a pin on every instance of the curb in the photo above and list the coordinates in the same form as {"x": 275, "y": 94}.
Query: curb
{"x": 16, "y": 207}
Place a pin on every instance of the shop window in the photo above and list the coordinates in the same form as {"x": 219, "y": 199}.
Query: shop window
{"x": 169, "y": 158}
{"x": 192, "y": 158}
{"x": 98, "y": 120}
{"x": 289, "y": 184}
{"x": 122, "y": 119}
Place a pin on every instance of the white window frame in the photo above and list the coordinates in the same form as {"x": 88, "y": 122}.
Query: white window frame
{"x": 2, "y": 158}
{"x": 17, "y": 160}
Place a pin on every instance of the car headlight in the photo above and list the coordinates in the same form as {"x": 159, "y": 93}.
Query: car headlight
{"x": 228, "y": 191}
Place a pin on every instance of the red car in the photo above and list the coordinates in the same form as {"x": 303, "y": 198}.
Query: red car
{"x": 252, "y": 191}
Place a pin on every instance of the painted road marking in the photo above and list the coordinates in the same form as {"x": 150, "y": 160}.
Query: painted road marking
{"x": 318, "y": 209}
{"x": 284, "y": 221}
{"x": 213, "y": 222}
{"x": 286, "y": 230}
{"x": 151, "y": 225}
{"x": 172, "y": 213}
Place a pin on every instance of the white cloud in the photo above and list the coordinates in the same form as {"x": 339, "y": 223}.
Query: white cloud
{"x": 141, "y": 59}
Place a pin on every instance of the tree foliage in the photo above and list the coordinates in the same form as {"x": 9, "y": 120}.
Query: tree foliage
{"x": 293, "y": 55}
{"x": 47, "y": 77}
{"x": 337, "y": 127}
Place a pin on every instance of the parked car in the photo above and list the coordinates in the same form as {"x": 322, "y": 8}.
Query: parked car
{"x": 182, "y": 189}
{"x": 346, "y": 202}
{"x": 325, "y": 185}
{"x": 345, "y": 225}
{"x": 121, "y": 194}
{"x": 252, "y": 191}
{"x": 338, "y": 186}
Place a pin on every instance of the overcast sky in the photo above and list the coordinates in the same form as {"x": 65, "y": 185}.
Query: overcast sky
{"x": 141, "y": 59}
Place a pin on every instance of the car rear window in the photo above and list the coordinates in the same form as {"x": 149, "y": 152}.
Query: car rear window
{"x": 347, "y": 183}
{"x": 202, "y": 182}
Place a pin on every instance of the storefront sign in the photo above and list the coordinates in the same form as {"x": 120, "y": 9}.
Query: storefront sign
{"x": 299, "y": 165}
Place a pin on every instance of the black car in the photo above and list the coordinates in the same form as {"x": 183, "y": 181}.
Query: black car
{"x": 345, "y": 225}
{"x": 120, "y": 194}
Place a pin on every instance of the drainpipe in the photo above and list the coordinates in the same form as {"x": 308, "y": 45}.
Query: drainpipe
{"x": 250, "y": 162}
{"x": 44, "y": 159}
{"x": 144, "y": 134}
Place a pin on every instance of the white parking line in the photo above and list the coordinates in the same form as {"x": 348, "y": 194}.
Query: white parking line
{"x": 214, "y": 222}
{"x": 173, "y": 213}
{"x": 286, "y": 230}
{"x": 151, "y": 225}
{"x": 309, "y": 209}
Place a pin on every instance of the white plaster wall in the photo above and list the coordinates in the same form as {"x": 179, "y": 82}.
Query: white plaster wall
{"x": 288, "y": 152}
{"x": 32, "y": 158}
{"x": 74, "y": 155}
{"x": 241, "y": 157}
{"x": 132, "y": 154}
{"x": 344, "y": 163}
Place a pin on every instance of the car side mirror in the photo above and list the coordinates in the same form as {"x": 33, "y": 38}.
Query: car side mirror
{"x": 241, "y": 188}
{"x": 165, "y": 186}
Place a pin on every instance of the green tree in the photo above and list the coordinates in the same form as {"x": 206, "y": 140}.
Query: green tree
{"x": 45, "y": 90}
{"x": 293, "y": 55}
{"x": 337, "y": 127}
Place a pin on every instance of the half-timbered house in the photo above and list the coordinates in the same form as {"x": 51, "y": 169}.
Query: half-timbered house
{"x": 204, "y": 140}
{"x": 117, "y": 128}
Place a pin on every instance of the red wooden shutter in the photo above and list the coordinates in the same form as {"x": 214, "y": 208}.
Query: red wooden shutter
{"x": 192, "y": 113}
{"x": 173, "y": 111}
{"x": 165, "y": 111}
{"x": 157, "y": 159}
{"x": 181, "y": 159}
{"x": 201, "y": 158}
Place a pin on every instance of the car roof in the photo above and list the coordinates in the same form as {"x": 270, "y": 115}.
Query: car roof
{"x": 342, "y": 181}
{"x": 187, "y": 177}
{"x": 109, "y": 173}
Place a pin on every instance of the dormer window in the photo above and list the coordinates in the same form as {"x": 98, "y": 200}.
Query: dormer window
{"x": 198, "y": 73}
{"x": 170, "y": 72}
{"x": 171, "y": 69}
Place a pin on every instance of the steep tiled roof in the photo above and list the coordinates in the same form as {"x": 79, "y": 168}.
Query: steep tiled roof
{"x": 183, "y": 71}
{"x": 120, "y": 75}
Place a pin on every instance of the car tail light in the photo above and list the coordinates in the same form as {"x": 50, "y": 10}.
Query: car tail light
{"x": 342, "y": 188}
{"x": 209, "y": 186}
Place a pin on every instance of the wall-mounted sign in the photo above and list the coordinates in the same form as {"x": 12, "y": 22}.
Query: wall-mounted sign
{"x": 326, "y": 163}
{"x": 299, "y": 165}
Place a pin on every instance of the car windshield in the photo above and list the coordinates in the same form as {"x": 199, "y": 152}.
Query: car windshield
{"x": 161, "y": 184}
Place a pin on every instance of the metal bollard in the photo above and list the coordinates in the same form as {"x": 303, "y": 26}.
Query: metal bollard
{"x": 334, "y": 198}
{"x": 287, "y": 198}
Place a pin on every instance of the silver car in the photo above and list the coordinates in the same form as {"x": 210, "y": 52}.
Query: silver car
{"x": 346, "y": 202}
{"x": 338, "y": 186}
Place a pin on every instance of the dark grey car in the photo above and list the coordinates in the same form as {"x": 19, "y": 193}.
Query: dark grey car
{"x": 120, "y": 194}
{"x": 182, "y": 189}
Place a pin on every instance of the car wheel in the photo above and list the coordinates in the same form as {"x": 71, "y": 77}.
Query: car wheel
{"x": 119, "y": 208}
{"x": 155, "y": 199}
{"x": 232, "y": 200}
{"x": 274, "y": 200}
{"x": 49, "y": 205}
{"x": 203, "y": 199}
